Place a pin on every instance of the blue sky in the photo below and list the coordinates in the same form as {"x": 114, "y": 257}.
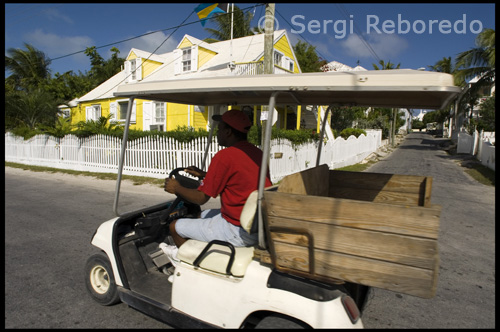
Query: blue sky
{"x": 414, "y": 35}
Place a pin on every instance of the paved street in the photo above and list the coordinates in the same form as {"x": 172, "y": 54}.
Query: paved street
{"x": 466, "y": 286}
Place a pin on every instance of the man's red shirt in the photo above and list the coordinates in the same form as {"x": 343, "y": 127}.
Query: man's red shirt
{"x": 233, "y": 174}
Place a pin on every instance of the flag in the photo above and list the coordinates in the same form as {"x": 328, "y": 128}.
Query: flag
{"x": 206, "y": 10}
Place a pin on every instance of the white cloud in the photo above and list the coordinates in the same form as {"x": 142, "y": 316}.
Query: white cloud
{"x": 54, "y": 46}
{"x": 149, "y": 43}
{"x": 55, "y": 15}
{"x": 386, "y": 46}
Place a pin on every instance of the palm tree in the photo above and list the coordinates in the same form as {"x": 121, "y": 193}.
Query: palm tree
{"x": 29, "y": 68}
{"x": 476, "y": 62}
{"x": 391, "y": 119}
{"x": 385, "y": 66}
{"x": 30, "y": 109}
{"x": 241, "y": 25}
{"x": 479, "y": 61}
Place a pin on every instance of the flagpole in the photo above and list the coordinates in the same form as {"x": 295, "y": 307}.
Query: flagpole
{"x": 231, "y": 42}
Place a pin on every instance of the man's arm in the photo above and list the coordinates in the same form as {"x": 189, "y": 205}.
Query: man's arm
{"x": 192, "y": 195}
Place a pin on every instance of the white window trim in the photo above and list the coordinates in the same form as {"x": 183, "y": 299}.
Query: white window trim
{"x": 154, "y": 121}
{"x": 93, "y": 112}
{"x": 131, "y": 78}
{"x": 178, "y": 60}
{"x": 117, "y": 115}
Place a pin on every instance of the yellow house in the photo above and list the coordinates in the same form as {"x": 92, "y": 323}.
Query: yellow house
{"x": 191, "y": 58}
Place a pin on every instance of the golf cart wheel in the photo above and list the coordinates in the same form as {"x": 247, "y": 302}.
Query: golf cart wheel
{"x": 100, "y": 280}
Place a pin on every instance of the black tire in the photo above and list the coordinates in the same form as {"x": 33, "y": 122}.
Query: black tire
{"x": 100, "y": 280}
{"x": 278, "y": 321}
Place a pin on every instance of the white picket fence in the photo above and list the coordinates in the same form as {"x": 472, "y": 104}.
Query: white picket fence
{"x": 157, "y": 156}
{"x": 479, "y": 145}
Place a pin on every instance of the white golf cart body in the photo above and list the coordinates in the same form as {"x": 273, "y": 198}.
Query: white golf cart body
{"x": 206, "y": 294}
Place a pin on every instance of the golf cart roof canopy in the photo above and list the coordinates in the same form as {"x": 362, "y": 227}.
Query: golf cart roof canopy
{"x": 377, "y": 88}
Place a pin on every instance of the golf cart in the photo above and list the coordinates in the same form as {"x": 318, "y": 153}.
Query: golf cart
{"x": 325, "y": 236}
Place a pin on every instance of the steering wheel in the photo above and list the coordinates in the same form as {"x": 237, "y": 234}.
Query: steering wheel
{"x": 184, "y": 180}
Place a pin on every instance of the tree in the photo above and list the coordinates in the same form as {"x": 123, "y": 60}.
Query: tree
{"x": 101, "y": 70}
{"x": 65, "y": 87}
{"x": 443, "y": 66}
{"x": 385, "y": 66}
{"x": 28, "y": 68}
{"x": 241, "y": 25}
{"x": 346, "y": 117}
{"x": 308, "y": 59}
{"x": 479, "y": 61}
{"x": 394, "y": 117}
{"x": 30, "y": 109}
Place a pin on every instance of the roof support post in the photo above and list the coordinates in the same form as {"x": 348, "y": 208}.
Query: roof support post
{"x": 263, "y": 168}
{"x": 320, "y": 143}
{"x": 122, "y": 155}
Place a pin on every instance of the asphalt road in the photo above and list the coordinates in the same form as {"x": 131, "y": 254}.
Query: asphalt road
{"x": 50, "y": 218}
{"x": 465, "y": 295}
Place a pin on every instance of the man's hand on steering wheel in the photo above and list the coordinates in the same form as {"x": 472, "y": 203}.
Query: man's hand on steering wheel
{"x": 195, "y": 171}
{"x": 171, "y": 185}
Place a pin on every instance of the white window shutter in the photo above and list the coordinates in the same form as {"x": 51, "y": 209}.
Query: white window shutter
{"x": 138, "y": 65}
{"x": 127, "y": 71}
{"x": 177, "y": 61}
{"x": 287, "y": 61}
{"x": 133, "y": 117}
{"x": 194, "y": 58}
{"x": 88, "y": 113}
{"x": 112, "y": 111}
{"x": 147, "y": 114}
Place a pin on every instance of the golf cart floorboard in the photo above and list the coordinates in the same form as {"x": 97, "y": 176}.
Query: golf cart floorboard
{"x": 154, "y": 285}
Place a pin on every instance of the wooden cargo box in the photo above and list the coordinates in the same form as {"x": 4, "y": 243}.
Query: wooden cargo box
{"x": 373, "y": 229}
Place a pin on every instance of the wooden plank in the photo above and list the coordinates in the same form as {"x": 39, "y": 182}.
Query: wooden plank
{"x": 389, "y": 218}
{"x": 313, "y": 181}
{"x": 427, "y": 192}
{"x": 377, "y": 181}
{"x": 394, "y": 277}
{"x": 377, "y": 196}
{"x": 400, "y": 249}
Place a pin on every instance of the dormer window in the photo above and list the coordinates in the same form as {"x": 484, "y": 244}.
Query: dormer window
{"x": 185, "y": 60}
{"x": 133, "y": 70}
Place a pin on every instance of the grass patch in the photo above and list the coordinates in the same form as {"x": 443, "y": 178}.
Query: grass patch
{"x": 356, "y": 167}
{"x": 136, "y": 180}
{"x": 482, "y": 174}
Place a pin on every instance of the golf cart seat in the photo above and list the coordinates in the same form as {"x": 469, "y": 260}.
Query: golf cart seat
{"x": 217, "y": 256}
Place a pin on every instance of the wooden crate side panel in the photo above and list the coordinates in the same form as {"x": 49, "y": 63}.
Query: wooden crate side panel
{"x": 313, "y": 181}
{"x": 400, "y": 249}
{"x": 333, "y": 266}
{"x": 389, "y": 218}
{"x": 377, "y": 196}
{"x": 379, "y": 187}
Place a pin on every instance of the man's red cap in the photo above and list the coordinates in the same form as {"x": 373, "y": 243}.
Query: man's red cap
{"x": 235, "y": 119}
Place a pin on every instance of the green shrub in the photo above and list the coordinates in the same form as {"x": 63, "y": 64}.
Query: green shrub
{"x": 351, "y": 131}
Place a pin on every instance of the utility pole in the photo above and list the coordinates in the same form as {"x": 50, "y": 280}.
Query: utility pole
{"x": 268, "y": 60}
{"x": 394, "y": 115}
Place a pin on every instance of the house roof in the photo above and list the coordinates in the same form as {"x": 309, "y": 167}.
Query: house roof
{"x": 338, "y": 66}
{"x": 244, "y": 49}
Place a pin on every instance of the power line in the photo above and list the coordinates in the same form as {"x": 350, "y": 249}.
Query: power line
{"x": 183, "y": 24}
{"x": 360, "y": 35}
{"x": 176, "y": 28}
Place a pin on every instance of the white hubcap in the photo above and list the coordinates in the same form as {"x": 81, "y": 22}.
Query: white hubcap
{"x": 99, "y": 279}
